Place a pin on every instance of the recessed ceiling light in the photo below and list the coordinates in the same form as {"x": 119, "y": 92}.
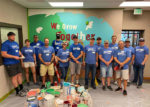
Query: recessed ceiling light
{"x": 135, "y": 4}
{"x": 66, "y": 4}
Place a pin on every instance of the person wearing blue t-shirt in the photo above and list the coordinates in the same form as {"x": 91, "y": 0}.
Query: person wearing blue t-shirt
{"x": 99, "y": 46}
{"x": 122, "y": 56}
{"x": 76, "y": 53}
{"x": 106, "y": 57}
{"x": 10, "y": 53}
{"x": 131, "y": 50}
{"x": 91, "y": 61}
{"x": 36, "y": 44}
{"x": 46, "y": 56}
{"x": 141, "y": 56}
{"x": 114, "y": 46}
{"x": 29, "y": 61}
{"x": 57, "y": 44}
{"x": 63, "y": 58}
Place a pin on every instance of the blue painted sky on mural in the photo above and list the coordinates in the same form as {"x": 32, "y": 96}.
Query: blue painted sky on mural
{"x": 99, "y": 26}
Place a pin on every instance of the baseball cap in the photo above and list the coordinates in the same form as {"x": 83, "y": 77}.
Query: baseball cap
{"x": 127, "y": 40}
{"x": 106, "y": 41}
{"x": 75, "y": 37}
{"x": 10, "y": 33}
{"x": 141, "y": 40}
{"x": 98, "y": 38}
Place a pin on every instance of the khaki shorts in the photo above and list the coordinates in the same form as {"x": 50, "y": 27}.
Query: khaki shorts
{"x": 28, "y": 64}
{"x": 75, "y": 68}
{"x": 44, "y": 69}
{"x": 124, "y": 74}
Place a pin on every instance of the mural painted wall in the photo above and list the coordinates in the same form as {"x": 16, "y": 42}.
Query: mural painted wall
{"x": 46, "y": 24}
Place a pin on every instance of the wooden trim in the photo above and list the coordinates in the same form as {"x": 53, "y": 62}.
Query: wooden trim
{"x": 6, "y": 95}
{"x": 146, "y": 78}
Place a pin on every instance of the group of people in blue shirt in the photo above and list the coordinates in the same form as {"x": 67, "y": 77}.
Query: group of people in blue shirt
{"x": 111, "y": 60}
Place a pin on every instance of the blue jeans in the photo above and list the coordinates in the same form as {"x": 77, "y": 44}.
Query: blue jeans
{"x": 64, "y": 71}
{"x": 138, "y": 73}
{"x": 89, "y": 67}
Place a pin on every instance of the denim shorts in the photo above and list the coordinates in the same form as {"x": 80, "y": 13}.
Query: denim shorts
{"x": 106, "y": 71}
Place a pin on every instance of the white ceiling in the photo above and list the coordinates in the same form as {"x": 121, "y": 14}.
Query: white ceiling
{"x": 87, "y": 3}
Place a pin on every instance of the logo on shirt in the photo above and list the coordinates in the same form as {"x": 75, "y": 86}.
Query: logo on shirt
{"x": 46, "y": 51}
{"x": 121, "y": 53}
{"x": 114, "y": 48}
{"x": 65, "y": 53}
{"x": 76, "y": 48}
{"x": 57, "y": 43}
{"x": 140, "y": 50}
{"x": 15, "y": 47}
{"x": 107, "y": 52}
{"x": 28, "y": 50}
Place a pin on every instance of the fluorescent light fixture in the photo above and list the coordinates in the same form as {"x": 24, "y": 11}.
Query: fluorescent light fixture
{"x": 66, "y": 4}
{"x": 135, "y": 4}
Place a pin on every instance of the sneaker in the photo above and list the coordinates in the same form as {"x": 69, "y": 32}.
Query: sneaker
{"x": 52, "y": 84}
{"x": 124, "y": 92}
{"x": 118, "y": 89}
{"x": 139, "y": 86}
{"x": 25, "y": 90}
{"x": 128, "y": 84}
{"x": 110, "y": 88}
{"x": 134, "y": 83}
{"x": 115, "y": 83}
{"x": 93, "y": 86}
{"x": 21, "y": 93}
{"x": 86, "y": 87}
{"x": 104, "y": 88}
{"x": 43, "y": 86}
{"x": 28, "y": 83}
{"x": 36, "y": 84}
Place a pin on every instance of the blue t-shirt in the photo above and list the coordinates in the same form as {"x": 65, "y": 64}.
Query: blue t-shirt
{"x": 99, "y": 46}
{"x": 90, "y": 54}
{"x": 46, "y": 53}
{"x": 63, "y": 55}
{"x": 28, "y": 53}
{"x": 140, "y": 53}
{"x": 113, "y": 46}
{"x": 12, "y": 48}
{"x": 122, "y": 55}
{"x": 57, "y": 45}
{"x": 36, "y": 46}
{"x": 106, "y": 54}
{"x": 131, "y": 50}
{"x": 76, "y": 50}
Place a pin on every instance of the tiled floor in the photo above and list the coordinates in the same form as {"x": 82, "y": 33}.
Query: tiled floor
{"x": 135, "y": 98}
